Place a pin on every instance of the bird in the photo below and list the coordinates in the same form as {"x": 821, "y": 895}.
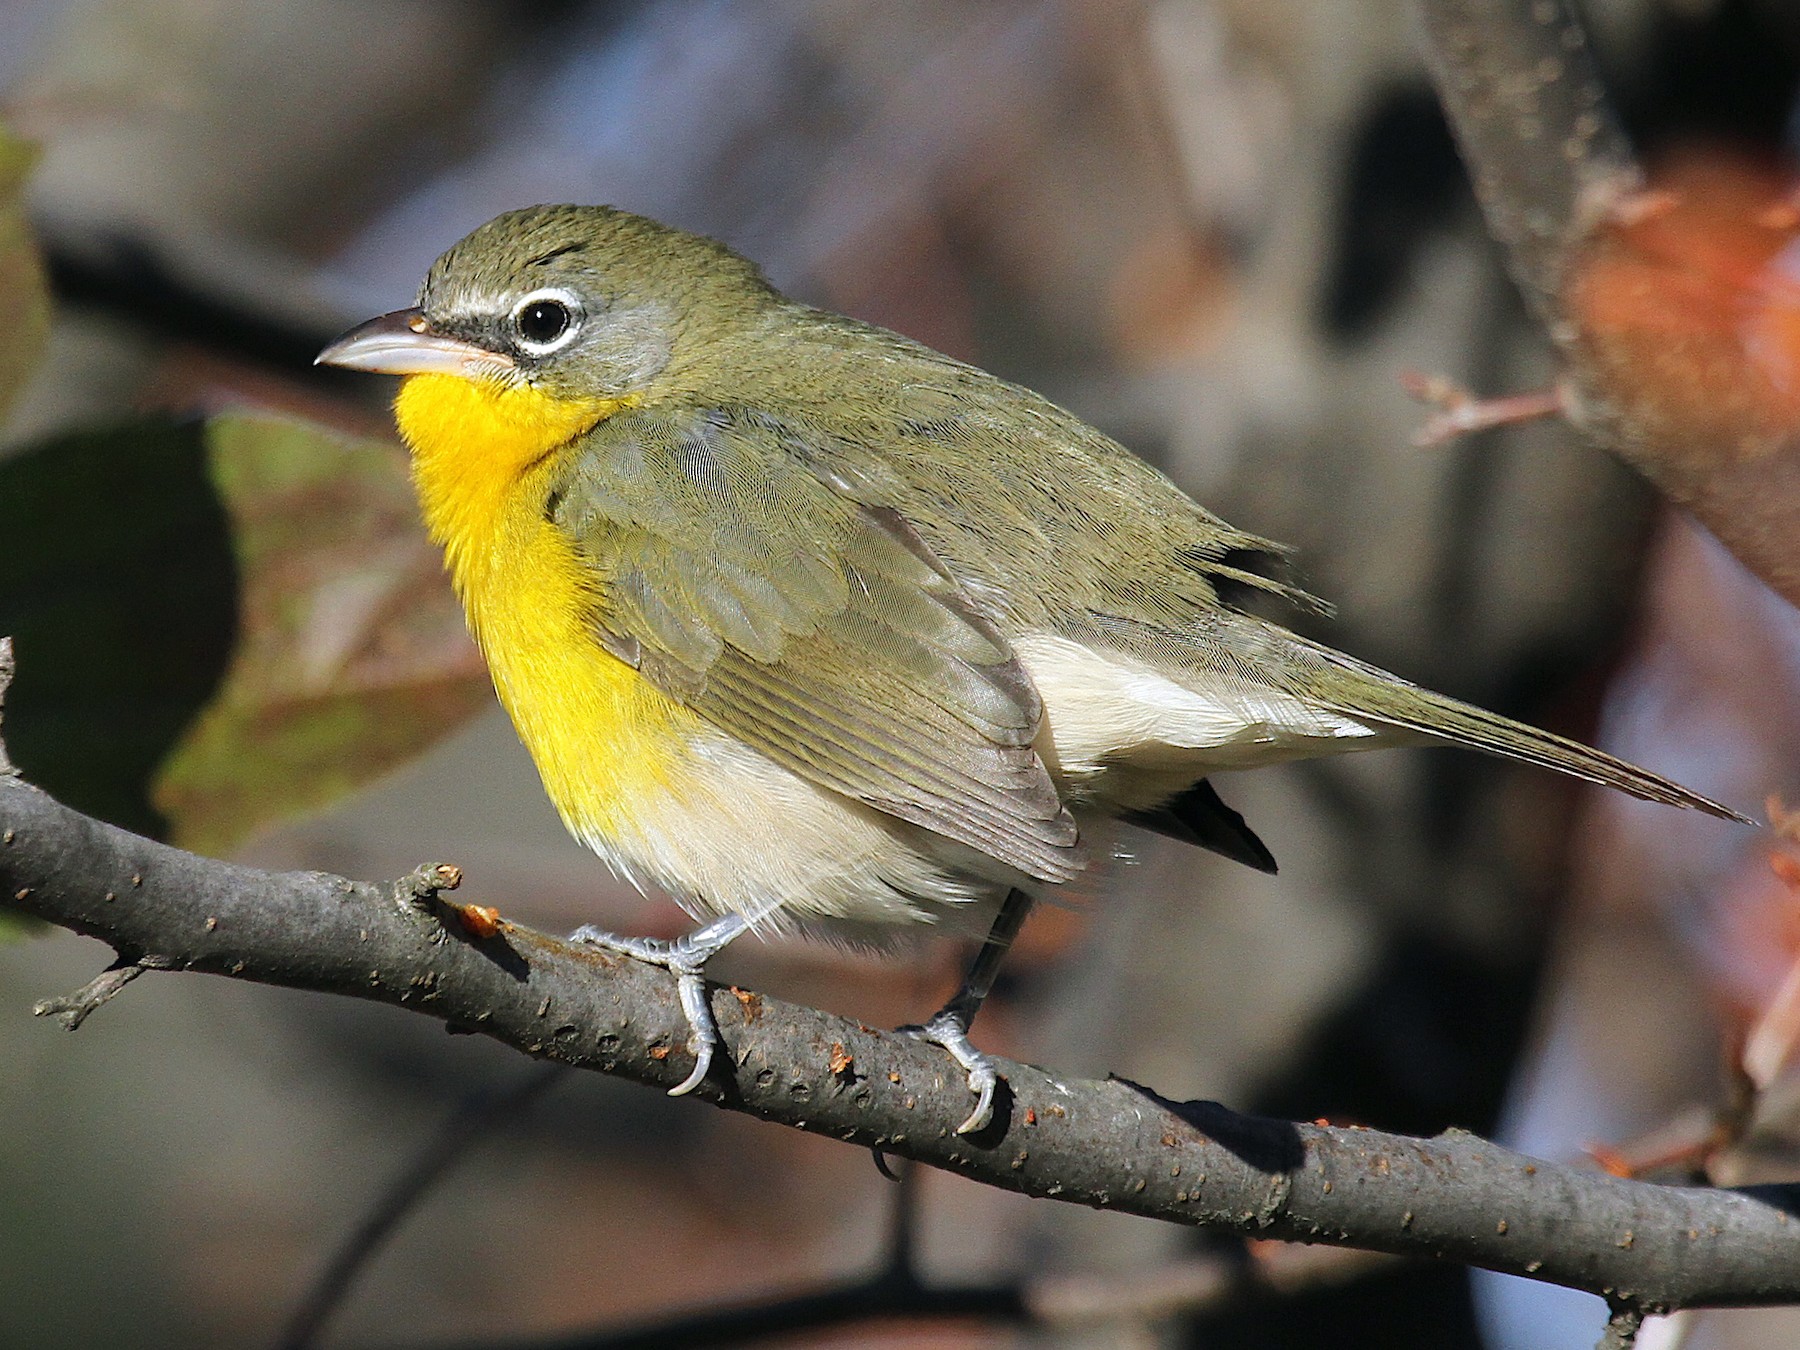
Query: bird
{"x": 818, "y": 629}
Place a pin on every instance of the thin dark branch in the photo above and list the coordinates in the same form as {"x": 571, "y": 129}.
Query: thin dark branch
{"x": 73, "y": 1009}
{"x": 474, "y": 1118}
{"x": 1046, "y": 1302}
{"x": 901, "y": 1256}
{"x": 838, "y": 1306}
{"x": 129, "y": 278}
{"x": 1111, "y": 1145}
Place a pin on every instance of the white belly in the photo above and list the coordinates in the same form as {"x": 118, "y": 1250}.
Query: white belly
{"x": 1119, "y": 733}
{"x": 734, "y": 831}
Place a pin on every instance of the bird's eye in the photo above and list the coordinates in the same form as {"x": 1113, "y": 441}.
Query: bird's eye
{"x": 544, "y": 322}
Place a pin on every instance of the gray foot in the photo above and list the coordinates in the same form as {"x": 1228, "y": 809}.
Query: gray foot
{"x": 950, "y": 1030}
{"x": 685, "y": 958}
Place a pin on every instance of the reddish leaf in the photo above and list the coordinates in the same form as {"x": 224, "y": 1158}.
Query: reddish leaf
{"x": 1686, "y": 304}
{"x": 1692, "y": 297}
{"x": 351, "y": 657}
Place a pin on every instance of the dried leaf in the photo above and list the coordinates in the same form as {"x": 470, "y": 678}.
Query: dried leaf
{"x": 351, "y": 657}
{"x": 1686, "y": 306}
{"x": 24, "y": 292}
{"x": 1693, "y": 306}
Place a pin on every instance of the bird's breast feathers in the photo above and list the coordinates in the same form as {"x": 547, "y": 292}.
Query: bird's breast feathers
{"x": 472, "y": 443}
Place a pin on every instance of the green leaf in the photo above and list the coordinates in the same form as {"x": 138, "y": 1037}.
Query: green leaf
{"x": 351, "y": 658}
{"x": 118, "y": 583}
{"x": 17, "y": 927}
{"x": 24, "y": 292}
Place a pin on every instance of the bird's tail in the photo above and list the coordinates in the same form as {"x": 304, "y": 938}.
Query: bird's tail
{"x": 1370, "y": 694}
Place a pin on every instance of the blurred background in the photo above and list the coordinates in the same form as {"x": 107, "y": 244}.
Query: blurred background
{"x": 1218, "y": 230}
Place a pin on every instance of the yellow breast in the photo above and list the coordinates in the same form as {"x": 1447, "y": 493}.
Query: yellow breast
{"x": 602, "y": 736}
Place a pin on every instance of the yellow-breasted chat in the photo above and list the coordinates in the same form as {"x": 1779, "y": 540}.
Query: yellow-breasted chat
{"x": 819, "y": 629}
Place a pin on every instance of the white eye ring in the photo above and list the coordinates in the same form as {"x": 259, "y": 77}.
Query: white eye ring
{"x": 546, "y": 321}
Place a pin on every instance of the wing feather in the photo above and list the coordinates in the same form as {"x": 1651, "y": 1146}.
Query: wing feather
{"x": 814, "y": 626}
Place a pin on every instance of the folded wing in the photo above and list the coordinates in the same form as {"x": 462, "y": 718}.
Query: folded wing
{"x": 751, "y": 584}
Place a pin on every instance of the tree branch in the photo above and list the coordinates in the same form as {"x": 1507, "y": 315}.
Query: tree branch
{"x": 1545, "y": 153}
{"x": 1110, "y": 1145}
{"x": 1622, "y": 1327}
{"x": 1669, "y": 365}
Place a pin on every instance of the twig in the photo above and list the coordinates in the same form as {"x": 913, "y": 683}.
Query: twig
{"x": 1693, "y": 1140}
{"x": 1460, "y": 413}
{"x": 1685, "y": 397}
{"x": 73, "y": 1009}
{"x": 846, "y": 1305}
{"x": 1051, "y": 1302}
{"x": 135, "y": 279}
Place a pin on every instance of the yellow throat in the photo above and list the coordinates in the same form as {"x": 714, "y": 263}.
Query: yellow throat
{"x": 482, "y": 453}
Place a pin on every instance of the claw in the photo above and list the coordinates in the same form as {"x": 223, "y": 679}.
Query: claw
{"x": 703, "y": 1031}
{"x": 949, "y": 1026}
{"x": 685, "y": 958}
{"x": 949, "y": 1030}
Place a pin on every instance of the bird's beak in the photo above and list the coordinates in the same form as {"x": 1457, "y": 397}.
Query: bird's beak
{"x": 403, "y": 343}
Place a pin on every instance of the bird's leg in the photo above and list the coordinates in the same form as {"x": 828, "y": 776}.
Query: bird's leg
{"x": 685, "y": 958}
{"x": 949, "y": 1026}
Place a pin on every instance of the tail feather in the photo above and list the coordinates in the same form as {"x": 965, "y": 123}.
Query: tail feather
{"x": 1371, "y": 694}
{"x": 1199, "y": 816}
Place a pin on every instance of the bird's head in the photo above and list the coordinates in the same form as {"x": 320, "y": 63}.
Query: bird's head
{"x": 545, "y": 320}
{"x": 576, "y": 302}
